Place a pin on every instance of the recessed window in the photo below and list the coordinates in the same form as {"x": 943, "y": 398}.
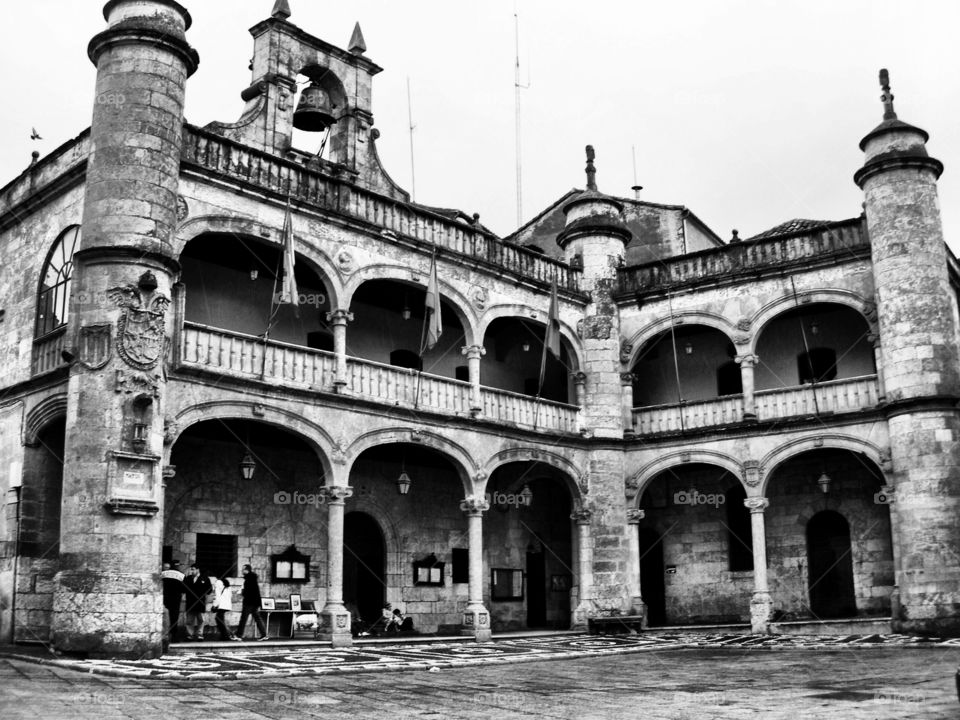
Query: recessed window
{"x": 290, "y": 566}
{"x": 739, "y": 531}
{"x": 729, "y": 379}
{"x": 819, "y": 365}
{"x": 217, "y": 554}
{"x": 53, "y": 298}
{"x": 461, "y": 565}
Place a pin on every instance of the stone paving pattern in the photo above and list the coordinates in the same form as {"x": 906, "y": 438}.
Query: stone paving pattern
{"x": 875, "y": 677}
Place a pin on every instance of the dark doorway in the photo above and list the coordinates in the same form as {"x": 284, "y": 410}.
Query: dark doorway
{"x": 536, "y": 588}
{"x": 831, "y": 567}
{"x": 652, "y": 587}
{"x": 364, "y": 565}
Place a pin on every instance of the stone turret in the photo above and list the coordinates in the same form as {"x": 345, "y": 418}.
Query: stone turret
{"x": 107, "y": 598}
{"x": 919, "y": 340}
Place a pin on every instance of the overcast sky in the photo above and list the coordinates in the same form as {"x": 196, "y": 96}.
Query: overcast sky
{"x": 747, "y": 112}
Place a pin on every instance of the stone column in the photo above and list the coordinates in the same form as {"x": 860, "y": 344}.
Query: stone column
{"x": 580, "y": 394}
{"x": 747, "y": 363}
{"x": 476, "y": 619}
{"x": 874, "y": 339}
{"x": 335, "y": 618}
{"x": 582, "y": 515}
{"x": 761, "y": 603}
{"x": 474, "y": 353}
{"x": 107, "y": 596}
{"x": 637, "y": 605}
{"x": 339, "y": 319}
{"x": 626, "y": 399}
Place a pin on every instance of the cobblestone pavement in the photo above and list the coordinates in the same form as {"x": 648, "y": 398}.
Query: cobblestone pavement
{"x": 726, "y": 677}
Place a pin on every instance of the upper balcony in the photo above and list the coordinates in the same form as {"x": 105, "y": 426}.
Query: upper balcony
{"x": 832, "y": 243}
{"x": 392, "y": 219}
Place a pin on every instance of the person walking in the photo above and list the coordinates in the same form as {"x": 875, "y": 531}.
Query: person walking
{"x": 251, "y": 603}
{"x": 197, "y": 586}
{"x": 222, "y": 604}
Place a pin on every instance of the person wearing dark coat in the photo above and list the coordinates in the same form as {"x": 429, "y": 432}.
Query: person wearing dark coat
{"x": 172, "y": 593}
{"x": 251, "y": 603}
{"x": 197, "y": 587}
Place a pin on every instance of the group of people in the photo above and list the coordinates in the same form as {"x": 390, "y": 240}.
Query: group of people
{"x": 202, "y": 592}
{"x": 391, "y": 622}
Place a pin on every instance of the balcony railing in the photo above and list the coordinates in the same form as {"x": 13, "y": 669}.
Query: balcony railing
{"x": 836, "y": 396}
{"x": 247, "y": 356}
{"x": 47, "y": 352}
{"x": 239, "y": 162}
{"x": 834, "y": 242}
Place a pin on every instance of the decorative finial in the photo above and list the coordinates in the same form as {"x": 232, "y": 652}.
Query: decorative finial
{"x": 281, "y": 10}
{"x": 34, "y": 156}
{"x": 887, "y": 97}
{"x": 591, "y": 170}
{"x": 736, "y": 237}
{"x": 357, "y": 46}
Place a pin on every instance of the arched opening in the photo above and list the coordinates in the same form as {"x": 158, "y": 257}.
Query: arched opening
{"x": 233, "y": 283}
{"x": 835, "y": 336}
{"x": 845, "y": 485}
{"x": 388, "y": 327}
{"x": 53, "y": 296}
{"x": 406, "y": 500}
{"x": 651, "y": 576}
{"x": 685, "y": 548}
{"x": 691, "y": 362}
{"x": 831, "y": 566}
{"x": 247, "y": 492}
{"x": 41, "y": 494}
{"x": 528, "y": 547}
{"x": 514, "y": 355}
{"x": 364, "y": 566}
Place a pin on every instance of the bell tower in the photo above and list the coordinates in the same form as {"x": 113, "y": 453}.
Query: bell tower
{"x": 919, "y": 344}
{"x": 107, "y": 598}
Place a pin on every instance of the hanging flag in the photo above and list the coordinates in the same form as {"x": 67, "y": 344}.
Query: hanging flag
{"x": 431, "y": 316}
{"x": 551, "y": 338}
{"x": 288, "y": 292}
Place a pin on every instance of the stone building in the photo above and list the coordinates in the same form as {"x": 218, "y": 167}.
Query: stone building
{"x": 756, "y": 431}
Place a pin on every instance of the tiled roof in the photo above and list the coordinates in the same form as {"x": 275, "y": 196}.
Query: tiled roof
{"x": 797, "y": 225}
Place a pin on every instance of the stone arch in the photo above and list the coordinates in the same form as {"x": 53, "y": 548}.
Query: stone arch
{"x": 833, "y": 441}
{"x": 524, "y": 312}
{"x": 455, "y": 453}
{"x": 325, "y": 266}
{"x": 572, "y": 474}
{"x": 42, "y": 414}
{"x": 456, "y": 301}
{"x": 314, "y": 435}
{"x": 686, "y": 318}
{"x": 638, "y": 482}
{"x": 832, "y": 296}
{"x": 392, "y": 536}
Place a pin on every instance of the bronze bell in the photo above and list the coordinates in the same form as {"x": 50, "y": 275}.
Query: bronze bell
{"x": 314, "y": 112}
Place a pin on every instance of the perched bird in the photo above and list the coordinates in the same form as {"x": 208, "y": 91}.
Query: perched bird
{"x": 34, "y": 135}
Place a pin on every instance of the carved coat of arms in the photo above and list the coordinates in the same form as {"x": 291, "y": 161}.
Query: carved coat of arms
{"x": 140, "y": 339}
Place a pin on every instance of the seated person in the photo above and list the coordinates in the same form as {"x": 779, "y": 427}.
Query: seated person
{"x": 382, "y": 623}
{"x": 400, "y": 623}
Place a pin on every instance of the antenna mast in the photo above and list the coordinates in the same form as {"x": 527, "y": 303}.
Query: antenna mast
{"x": 516, "y": 87}
{"x": 413, "y": 177}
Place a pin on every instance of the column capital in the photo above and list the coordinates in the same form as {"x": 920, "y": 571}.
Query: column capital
{"x": 473, "y": 352}
{"x": 756, "y": 504}
{"x": 336, "y": 494}
{"x": 747, "y": 360}
{"x": 340, "y": 316}
{"x": 474, "y": 505}
{"x": 579, "y": 377}
{"x": 581, "y": 514}
{"x": 635, "y": 516}
{"x": 627, "y": 378}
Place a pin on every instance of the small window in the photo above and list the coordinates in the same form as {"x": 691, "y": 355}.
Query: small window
{"x": 506, "y": 584}
{"x": 290, "y": 566}
{"x": 729, "y": 379}
{"x": 461, "y": 565}
{"x": 217, "y": 554}
{"x": 406, "y": 359}
{"x": 428, "y": 571}
{"x": 53, "y": 298}
{"x": 819, "y": 365}
{"x": 739, "y": 530}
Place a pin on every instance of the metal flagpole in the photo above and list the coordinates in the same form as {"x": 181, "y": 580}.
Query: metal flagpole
{"x": 676, "y": 364}
{"x": 806, "y": 350}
